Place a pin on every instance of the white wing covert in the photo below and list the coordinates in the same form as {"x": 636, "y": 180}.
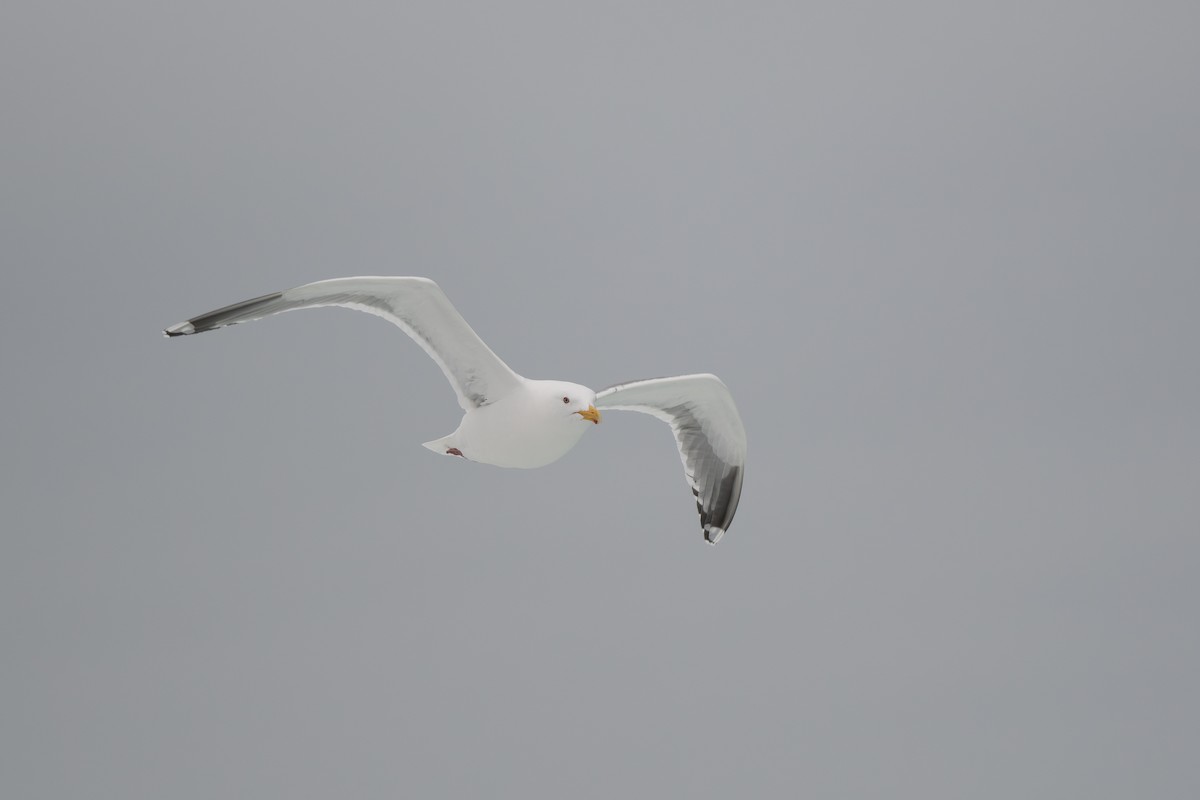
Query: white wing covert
{"x": 708, "y": 432}
{"x": 416, "y": 305}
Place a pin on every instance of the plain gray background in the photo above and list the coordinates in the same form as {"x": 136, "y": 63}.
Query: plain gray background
{"x": 944, "y": 254}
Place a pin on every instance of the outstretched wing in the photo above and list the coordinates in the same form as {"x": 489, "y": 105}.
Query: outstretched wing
{"x": 708, "y": 431}
{"x": 416, "y": 305}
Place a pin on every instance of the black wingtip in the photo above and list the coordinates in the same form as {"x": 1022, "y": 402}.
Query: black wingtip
{"x": 229, "y": 315}
{"x": 182, "y": 329}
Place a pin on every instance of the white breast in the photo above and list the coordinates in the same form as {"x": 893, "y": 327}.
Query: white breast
{"x": 519, "y": 431}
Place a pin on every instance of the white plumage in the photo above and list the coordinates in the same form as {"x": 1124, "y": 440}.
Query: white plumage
{"x": 512, "y": 421}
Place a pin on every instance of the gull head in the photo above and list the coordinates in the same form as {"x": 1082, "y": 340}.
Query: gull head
{"x": 569, "y": 401}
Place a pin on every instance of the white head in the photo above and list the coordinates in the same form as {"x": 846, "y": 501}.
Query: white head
{"x": 575, "y": 403}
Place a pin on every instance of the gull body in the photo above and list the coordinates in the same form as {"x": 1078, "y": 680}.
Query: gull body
{"x": 512, "y": 421}
{"x": 535, "y": 425}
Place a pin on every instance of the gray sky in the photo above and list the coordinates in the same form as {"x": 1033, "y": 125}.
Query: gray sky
{"x": 945, "y": 257}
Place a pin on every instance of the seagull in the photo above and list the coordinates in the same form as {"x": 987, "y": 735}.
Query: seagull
{"x": 513, "y": 421}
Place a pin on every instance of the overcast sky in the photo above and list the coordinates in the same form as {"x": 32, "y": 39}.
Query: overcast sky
{"x": 946, "y": 257}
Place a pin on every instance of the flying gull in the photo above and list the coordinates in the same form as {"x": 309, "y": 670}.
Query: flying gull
{"x": 512, "y": 421}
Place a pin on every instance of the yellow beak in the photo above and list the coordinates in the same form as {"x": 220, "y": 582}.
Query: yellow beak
{"x": 591, "y": 415}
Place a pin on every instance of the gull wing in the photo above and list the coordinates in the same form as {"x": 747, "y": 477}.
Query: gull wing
{"x": 416, "y": 305}
{"x": 708, "y": 432}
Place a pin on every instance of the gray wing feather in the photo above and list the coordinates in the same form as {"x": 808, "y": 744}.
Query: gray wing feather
{"x": 708, "y": 432}
{"x": 416, "y": 305}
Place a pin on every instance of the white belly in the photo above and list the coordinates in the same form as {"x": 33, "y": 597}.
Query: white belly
{"x": 511, "y": 434}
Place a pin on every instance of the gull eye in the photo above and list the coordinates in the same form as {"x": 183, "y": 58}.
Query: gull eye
{"x": 566, "y": 399}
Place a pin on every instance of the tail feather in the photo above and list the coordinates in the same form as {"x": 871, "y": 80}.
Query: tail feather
{"x": 442, "y": 445}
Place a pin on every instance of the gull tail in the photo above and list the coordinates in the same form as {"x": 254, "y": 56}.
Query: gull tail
{"x": 445, "y": 446}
